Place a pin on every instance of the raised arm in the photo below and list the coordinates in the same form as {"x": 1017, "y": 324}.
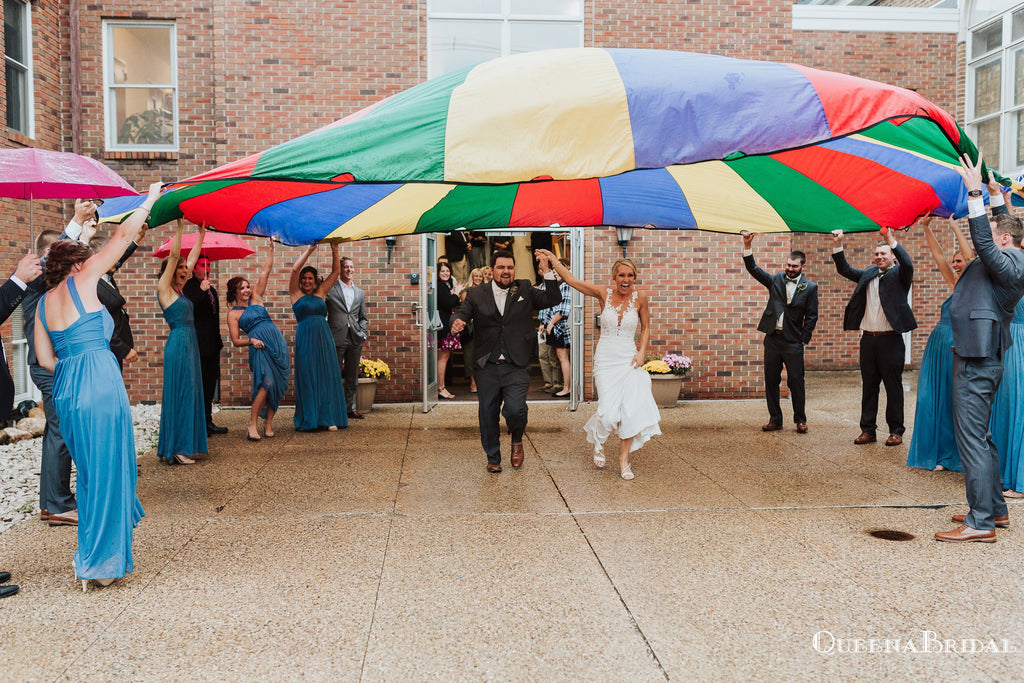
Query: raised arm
{"x": 124, "y": 235}
{"x": 335, "y": 273}
{"x": 293, "y": 280}
{"x": 583, "y": 286}
{"x": 839, "y": 258}
{"x": 940, "y": 259}
{"x": 966, "y": 250}
{"x": 197, "y": 250}
{"x": 756, "y": 272}
{"x": 268, "y": 265}
{"x": 164, "y": 289}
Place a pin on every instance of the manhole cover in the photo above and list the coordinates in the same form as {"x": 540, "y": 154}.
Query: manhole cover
{"x": 891, "y": 535}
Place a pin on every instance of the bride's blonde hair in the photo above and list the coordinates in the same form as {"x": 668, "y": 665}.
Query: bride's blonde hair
{"x": 625, "y": 262}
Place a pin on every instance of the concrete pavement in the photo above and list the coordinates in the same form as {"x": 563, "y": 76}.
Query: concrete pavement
{"x": 385, "y": 552}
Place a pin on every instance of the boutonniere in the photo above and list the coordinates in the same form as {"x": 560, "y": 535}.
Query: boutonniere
{"x": 801, "y": 287}
{"x": 513, "y": 290}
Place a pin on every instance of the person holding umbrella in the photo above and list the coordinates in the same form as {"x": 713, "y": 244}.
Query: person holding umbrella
{"x": 182, "y": 420}
{"x": 72, "y": 340}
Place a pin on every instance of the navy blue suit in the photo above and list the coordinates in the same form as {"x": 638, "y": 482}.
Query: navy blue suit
{"x": 881, "y": 357}
{"x": 981, "y": 310}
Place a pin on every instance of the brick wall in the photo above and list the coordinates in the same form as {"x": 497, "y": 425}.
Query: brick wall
{"x": 253, "y": 73}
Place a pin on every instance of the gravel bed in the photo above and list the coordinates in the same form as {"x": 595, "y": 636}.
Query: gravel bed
{"x": 19, "y": 467}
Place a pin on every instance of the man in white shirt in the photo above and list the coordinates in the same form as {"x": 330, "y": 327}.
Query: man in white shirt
{"x": 880, "y": 310}
{"x": 346, "y": 314}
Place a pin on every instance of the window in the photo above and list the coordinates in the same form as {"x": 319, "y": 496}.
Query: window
{"x": 995, "y": 83}
{"x": 140, "y": 78}
{"x": 18, "y": 65}
{"x": 461, "y": 33}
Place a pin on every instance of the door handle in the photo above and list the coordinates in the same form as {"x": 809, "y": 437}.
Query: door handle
{"x": 416, "y": 308}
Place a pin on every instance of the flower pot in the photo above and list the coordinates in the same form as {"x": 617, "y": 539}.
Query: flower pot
{"x": 365, "y": 393}
{"x": 666, "y": 389}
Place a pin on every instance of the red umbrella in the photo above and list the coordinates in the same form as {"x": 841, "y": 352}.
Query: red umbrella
{"x": 217, "y": 246}
{"x": 31, "y": 173}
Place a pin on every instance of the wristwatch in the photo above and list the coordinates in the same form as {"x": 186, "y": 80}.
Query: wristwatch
{"x": 974, "y": 193}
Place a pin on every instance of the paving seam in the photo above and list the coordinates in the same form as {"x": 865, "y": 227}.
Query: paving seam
{"x": 622, "y": 601}
{"x": 387, "y": 544}
{"x": 207, "y": 522}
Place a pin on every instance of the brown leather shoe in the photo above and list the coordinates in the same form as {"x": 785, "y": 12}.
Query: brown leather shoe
{"x": 966, "y": 534}
{"x": 771, "y": 427}
{"x": 69, "y": 518}
{"x": 354, "y": 414}
{"x": 864, "y": 438}
{"x": 801, "y": 427}
{"x": 493, "y": 468}
{"x": 894, "y": 440}
{"x": 1001, "y": 522}
{"x": 44, "y": 515}
{"x": 517, "y": 455}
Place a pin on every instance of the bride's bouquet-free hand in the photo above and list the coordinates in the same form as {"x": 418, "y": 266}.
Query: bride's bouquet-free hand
{"x": 670, "y": 364}
{"x": 377, "y": 369}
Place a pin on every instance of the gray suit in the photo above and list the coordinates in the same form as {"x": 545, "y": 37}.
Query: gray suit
{"x": 349, "y": 327}
{"x": 981, "y": 311}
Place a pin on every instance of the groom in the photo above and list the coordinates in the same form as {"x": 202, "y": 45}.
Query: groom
{"x": 503, "y": 338}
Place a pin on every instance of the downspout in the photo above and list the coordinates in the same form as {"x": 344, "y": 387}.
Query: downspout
{"x": 75, "y": 53}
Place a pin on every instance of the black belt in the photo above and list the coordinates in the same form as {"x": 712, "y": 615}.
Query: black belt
{"x": 880, "y": 334}
{"x": 500, "y": 361}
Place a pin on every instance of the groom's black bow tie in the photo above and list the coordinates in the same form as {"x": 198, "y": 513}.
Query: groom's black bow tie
{"x": 794, "y": 280}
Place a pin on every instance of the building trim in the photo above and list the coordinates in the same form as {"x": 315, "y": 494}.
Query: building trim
{"x": 870, "y": 19}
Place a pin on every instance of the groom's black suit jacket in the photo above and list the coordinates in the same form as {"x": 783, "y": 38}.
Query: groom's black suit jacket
{"x": 516, "y": 326}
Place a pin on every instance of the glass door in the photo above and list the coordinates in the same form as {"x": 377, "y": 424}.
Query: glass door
{"x": 576, "y": 318}
{"x": 428, "y": 320}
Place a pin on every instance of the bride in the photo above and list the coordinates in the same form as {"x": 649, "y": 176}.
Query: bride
{"x": 625, "y": 404}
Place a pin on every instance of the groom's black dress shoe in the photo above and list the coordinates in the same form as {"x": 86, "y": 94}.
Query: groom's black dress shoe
{"x": 5, "y": 577}
{"x": 6, "y": 591}
{"x": 212, "y": 429}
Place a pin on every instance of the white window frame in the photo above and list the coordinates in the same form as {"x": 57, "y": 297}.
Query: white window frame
{"x": 1007, "y": 108}
{"x": 29, "y": 105}
{"x": 110, "y": 123}
{"x": 506, "y": 18}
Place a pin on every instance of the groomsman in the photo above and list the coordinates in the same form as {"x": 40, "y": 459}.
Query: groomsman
{"x": 206, "y": 309}
{"x": 880, "y": 310}
{"x": 11, "y": 294}
{"x": 346, "y": 314}
{"x": 982, "y": 307}
{"x": 788, "y": 322}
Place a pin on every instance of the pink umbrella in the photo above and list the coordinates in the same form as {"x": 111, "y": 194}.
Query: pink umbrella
{"x": 31, "y": 173}
{"x": 217, "y": 246}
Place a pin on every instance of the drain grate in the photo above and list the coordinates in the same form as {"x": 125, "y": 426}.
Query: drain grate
{"x": 891, "y": 535}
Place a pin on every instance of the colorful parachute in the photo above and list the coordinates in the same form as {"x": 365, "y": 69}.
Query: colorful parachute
{"x": 588, "y": 137}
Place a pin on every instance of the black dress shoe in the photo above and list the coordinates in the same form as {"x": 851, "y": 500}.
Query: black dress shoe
{"x": 212, "y": 429}
{"x": 354, "y": 414}
{"x": 6, "y": 591}
{"x": 5, "y": 577}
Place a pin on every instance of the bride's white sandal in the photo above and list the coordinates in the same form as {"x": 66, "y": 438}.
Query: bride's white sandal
{"x": 627, "y": 473}
{"x": 599, "y": 459}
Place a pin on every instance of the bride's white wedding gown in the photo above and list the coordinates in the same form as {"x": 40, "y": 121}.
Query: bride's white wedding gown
{"x": 625, "y": 404}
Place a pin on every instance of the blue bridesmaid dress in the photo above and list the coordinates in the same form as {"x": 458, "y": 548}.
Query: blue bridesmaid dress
{"x": 1007, "y": 421}
{"x": 319, "y": 391}
{"x": 182, "y": 413}
{"x": 933, "y": 442}
{"x": 96, "y": 421}
{"x": 270, "y": 365}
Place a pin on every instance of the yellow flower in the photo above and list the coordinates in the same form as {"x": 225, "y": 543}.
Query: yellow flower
{"x": 374, "y": 368}
{"x": 656, "y": 367}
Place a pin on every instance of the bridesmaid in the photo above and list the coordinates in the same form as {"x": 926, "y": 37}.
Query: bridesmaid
{"x": 268, "y": 354}
{"x": 933, "y": 446}
{"x": 1007, "y": 422}
{"x": 319, "y": 392}
{"x": 182, "y": 412}
{"x": 72, "y": 340}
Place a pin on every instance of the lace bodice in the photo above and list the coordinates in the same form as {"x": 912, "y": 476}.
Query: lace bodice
{"x": 620, "y": 322}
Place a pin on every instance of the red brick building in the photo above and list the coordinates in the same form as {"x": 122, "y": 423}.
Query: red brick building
{"x": 166, "y": 90}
